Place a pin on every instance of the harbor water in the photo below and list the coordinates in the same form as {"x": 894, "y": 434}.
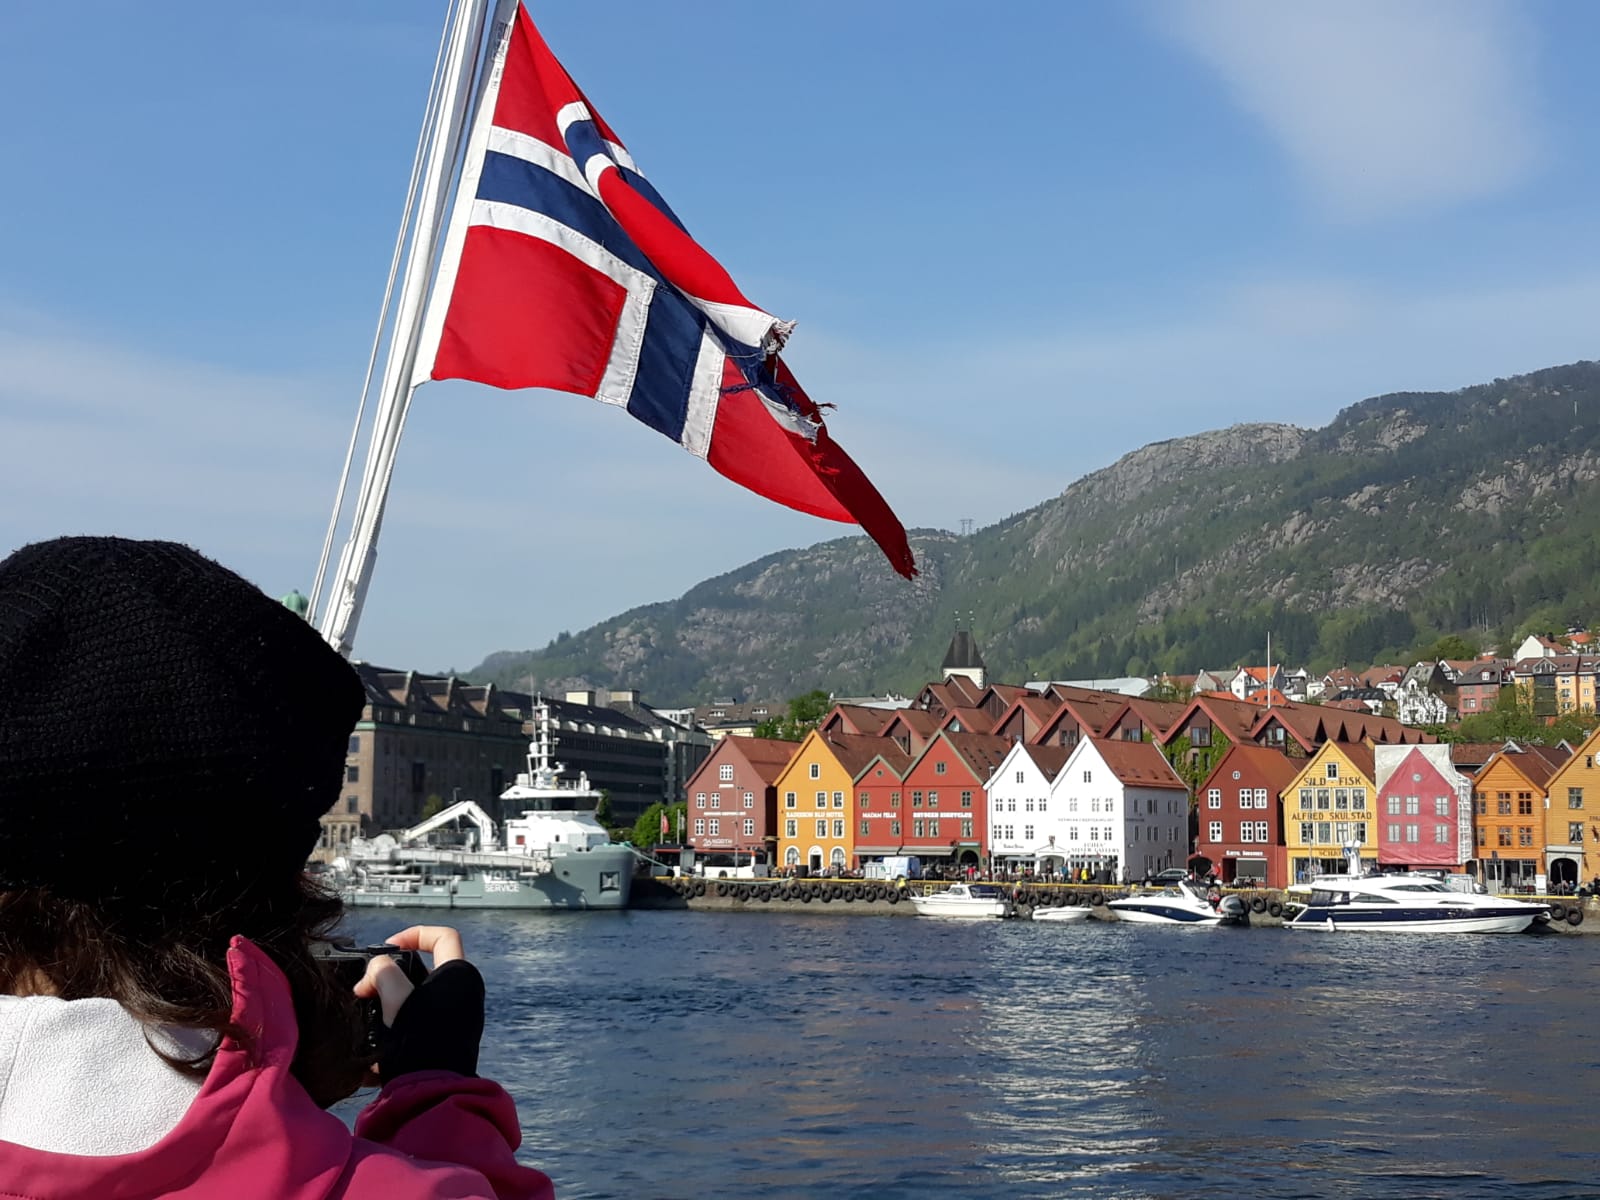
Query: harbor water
{"x": 683, "y": 1054}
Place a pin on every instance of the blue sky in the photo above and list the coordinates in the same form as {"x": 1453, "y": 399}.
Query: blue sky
{"x": 1020, "y": 239}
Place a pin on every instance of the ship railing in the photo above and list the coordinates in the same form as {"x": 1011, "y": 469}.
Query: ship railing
{"x": 526, "y": 864}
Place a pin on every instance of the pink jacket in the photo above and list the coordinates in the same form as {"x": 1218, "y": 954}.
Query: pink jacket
{"x": 253, "y": 1132}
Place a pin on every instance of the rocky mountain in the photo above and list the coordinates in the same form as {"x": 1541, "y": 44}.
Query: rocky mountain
{"x": 1408, "y": 516}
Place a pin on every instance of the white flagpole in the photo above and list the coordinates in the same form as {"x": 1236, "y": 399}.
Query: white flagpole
{"x": 348, "y": 590}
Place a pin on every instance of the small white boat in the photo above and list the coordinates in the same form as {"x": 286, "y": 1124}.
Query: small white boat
{"x": 1061, "y": 916}
{"x": 1407, "y": 903}
{"x": 964, "y": 900}
{"x": 1180, "y": 904}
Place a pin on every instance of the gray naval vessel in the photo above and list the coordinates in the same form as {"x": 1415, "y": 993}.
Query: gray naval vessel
{"x": 556, "y": 855}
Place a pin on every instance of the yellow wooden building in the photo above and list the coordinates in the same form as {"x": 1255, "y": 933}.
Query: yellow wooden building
{"x": 1572, "y": 817}
{"x": 1329, "y": 806}
{"x": 814, "y": 790}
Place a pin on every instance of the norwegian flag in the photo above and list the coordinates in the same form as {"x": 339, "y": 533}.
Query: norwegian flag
{"x": 562, "y": 268}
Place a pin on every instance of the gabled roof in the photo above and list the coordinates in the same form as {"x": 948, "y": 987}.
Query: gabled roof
{"x": 1138, "y": 764}
{"x": 1264, "y": 696}
{"x": 891, "y": 756}
{"x": 1039, "y": 709}
{"x": 1094, "y": 711}
{"x": 1473, "y": 754}
{"x": 1274, "y": 766}
{"x": 858, "y": 718}
{"x": 1158, "y": 715}
{"x": 971, "y": 720}
{"x": 1049, "y": 759}
{"x": 1360, "y": 756}
{"x": 981, "y": 752}
{"x": 1536, "y": 764}
{"x": 767, "y": 756}
{"x": 1235, "y": 717}
{"x": 854, "y": 751}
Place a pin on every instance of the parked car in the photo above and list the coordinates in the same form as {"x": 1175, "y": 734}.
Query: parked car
{"x": 1170, "y": 875}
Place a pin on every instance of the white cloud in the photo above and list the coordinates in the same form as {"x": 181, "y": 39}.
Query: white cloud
{"x": 1385, "y": 106}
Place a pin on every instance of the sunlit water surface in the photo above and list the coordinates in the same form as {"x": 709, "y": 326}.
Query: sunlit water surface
{"x": 678, "y": 1054}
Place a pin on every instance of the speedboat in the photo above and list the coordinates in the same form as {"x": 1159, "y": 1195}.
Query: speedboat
{"x": 1406, "y": 903}
{"x": 1181, "y": 904}
{"x": 964, "y": 900}
{"x": 1061, "y": 916}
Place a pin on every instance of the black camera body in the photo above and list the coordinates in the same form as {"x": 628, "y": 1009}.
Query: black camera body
{"x": 346, "y": 964}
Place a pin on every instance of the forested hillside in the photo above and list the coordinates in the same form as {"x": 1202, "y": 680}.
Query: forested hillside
{"x": 1409, "y": 516}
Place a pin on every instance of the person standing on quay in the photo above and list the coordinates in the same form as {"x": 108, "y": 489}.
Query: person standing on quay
{"x": 169, "y": 738}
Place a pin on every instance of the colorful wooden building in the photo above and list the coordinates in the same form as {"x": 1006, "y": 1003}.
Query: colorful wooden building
{"x": 1572, "y": 818}
{"x": 732, "y": 798}
{"x": 1424, "y": 809}
{"x": 1328, "y": 813}
{"x": 1508, "y": 796}
{"x": 1239, "y": 807}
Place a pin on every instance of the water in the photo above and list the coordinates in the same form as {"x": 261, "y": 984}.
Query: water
{"x": 678, "y": 1054}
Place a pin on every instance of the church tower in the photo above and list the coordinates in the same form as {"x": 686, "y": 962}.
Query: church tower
{"x": 963, "y": 658}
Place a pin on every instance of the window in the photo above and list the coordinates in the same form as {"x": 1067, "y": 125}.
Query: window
{"x": 1261, "y": 831}
{"x": 822, "y": 799}
{"x": 916, "y": 799}
{"x": 725, "y": 773}
{"x": 1019, "y": 776}
{"x": 1412, "y": 806}
{"x": 1214, "y": 831}
{"x": 864, "y": 829}
{"x": 788, "y": 799}
{"x": 939, "y": 768}
{"x": 1574, "y": 797}
{"x": 715, "y": 827}
{"x": 1325, "y": 832}
{"x": 838, "y": 828}
{"x": 1072, "y": 834}
{"x": 352, "y": 804}
{"x": 1261, "y": 797}
{"x": 1524, "y": 835}
{"x": 1392, "y": 832}
{"x": 894, "y": 799}
{"x": 822, "y": 829}
{"x": 916, "y": 828}
{"x": 355, "y": 744}
{"x": 1503, "y": 807}
{"x": 933, "y": 799}
{"x": 749, "y": 827}
{"x": 1393, "y": 806}
{"x": 789, "y": 828}
{"x": 1441, "y": 834}
{"x": 1307, "y": 829}
{"x": 1086, "y": 778}
{"x": 791, "y": 856}
{"x": 1503, "y": 835}
{"x": 1011, "y": 804}
{"x": 838, "y": 799}
{"x": 1044, "y": 802}
{"x": 1213, "y": 797}
{"x": 749, "y": 799}
{"x": 699, "y": 799}
{"x": 1441, "y": 806}
{"x": 1483, "y": 836}
{"x": 1247, "y": 831}
{"x": 1411, "y": 833}
{"x": 1332, "y": 771}
{"x": 352, "y": 773}
{"x": 1094, "y": 832}
{"x": 1575, "y": 832}
{"x": 1341, "y": 799}
{"x": 1308, "y": 797}
{"x": 894, "y": 828}
{"x": 1199, "y": 735}
{"x": 1027, "y": 833}
{"x": 816, "y": 770}
{"x": 699, "y": 826}
{"x": 1094, "y": 805}
{"x": 1524, "y": 808}
{"x": 966, "y": 801}
{"x": 1245, "y": 795}
{"x": 1479, "y": 804}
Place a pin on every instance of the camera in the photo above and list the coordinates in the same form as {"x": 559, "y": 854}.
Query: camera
{"x": 346, "y": 964}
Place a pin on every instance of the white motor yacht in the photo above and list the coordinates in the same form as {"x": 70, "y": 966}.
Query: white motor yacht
{"x": 964, "y": 900}
{"x": 1181, "y": 904}
{"x": 1405, "y": 903}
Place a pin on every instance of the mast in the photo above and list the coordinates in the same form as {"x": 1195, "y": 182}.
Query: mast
{"x": 449, "y": 111}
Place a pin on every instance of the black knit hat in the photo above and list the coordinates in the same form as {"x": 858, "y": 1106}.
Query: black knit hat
{"x": 164, "y": 726}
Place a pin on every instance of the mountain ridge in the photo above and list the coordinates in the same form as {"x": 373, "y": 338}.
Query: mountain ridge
{"x": 1408, "y": 515}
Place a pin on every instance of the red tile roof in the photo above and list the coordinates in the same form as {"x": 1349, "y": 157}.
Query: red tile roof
{"x": 1138, "y": 763}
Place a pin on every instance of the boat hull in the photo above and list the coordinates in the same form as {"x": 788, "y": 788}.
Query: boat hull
{"x": 1140, "y": 913}
{"x": 930, "y": 906}
{"x": 588, "y": 879}
{"x": 1061, "y": 916}
{"x": 1481, "y": 921}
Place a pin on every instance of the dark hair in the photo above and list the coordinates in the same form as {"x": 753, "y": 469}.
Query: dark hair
{"x": 166, "y": 964}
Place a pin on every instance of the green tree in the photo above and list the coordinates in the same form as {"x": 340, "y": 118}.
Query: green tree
{"x": 1511, "y": 717}
{"x": 1451, "y": 645}
{"x": 604, "y": 814}
{"x": 803, "y": 714}
{"x": 1167, "y": 690}
{"x": 647, "y": 829}
{"x": 432, "y": 806}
